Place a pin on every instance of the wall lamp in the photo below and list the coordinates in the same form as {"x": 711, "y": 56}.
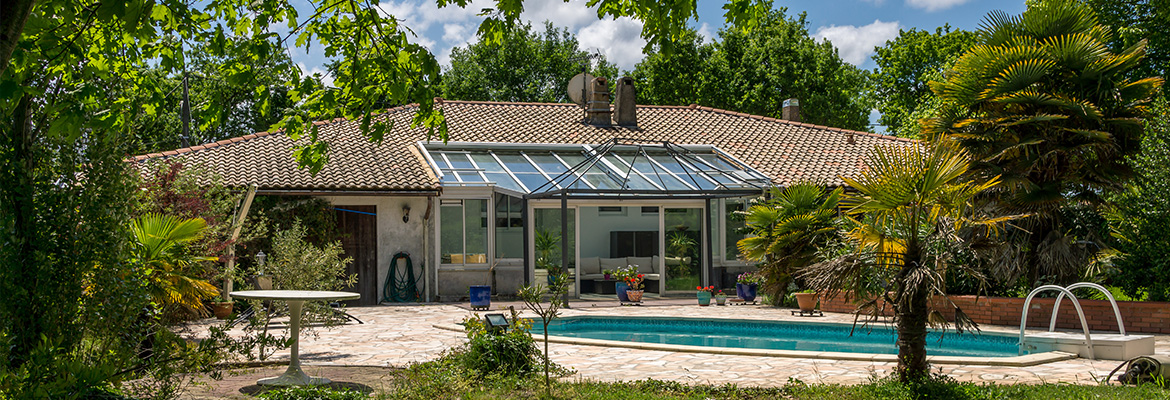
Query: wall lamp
{"x": 406, "y": 213}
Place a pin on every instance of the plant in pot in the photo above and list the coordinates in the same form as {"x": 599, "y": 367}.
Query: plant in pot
{"x": 720, "y": 298}
{"x": 806, "y": 300}
{"x": 622, "y": 285}
{"x": 634, "y": 293}
{"x": 547, "y": 246}
{"x": 221, "y": 308}
{"x": 748, "y": 284}
{"x": 704, "y": 294}
{"x": 609, "y": 274}
{"x": 481, "y": 295}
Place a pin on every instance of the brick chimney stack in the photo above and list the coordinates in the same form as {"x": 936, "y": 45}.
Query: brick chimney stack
{"x": 625, "y": 103}
{"x": 791, "y": 110}
{"x": 597, "y": 111}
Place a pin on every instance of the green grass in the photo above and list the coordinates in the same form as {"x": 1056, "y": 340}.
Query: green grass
{"x": 682, "y": 283}
{"x": 446, "y": 379}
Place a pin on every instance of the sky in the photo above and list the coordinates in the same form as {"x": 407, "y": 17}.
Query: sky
{"x": 855, "y": 27}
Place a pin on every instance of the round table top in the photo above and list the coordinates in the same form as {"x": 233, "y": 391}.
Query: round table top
{"x": 295, "y": 295}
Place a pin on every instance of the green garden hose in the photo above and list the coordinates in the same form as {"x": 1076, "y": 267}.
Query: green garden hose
{"x": 401, "y": 286}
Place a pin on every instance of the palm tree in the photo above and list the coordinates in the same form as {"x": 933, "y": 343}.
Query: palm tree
{"x": 159, "y": 245}
{"x": 1044, "y": 104}
{"x": 786, "y": 231}
{"x": 914, "y": 201}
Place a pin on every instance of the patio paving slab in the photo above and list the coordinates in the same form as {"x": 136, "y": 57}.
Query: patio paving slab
{"x": 398, "y": 335}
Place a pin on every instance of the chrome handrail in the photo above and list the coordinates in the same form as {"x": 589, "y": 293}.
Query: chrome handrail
{"x": 1116, "y": 311}
{"x": 1076, "y": 303}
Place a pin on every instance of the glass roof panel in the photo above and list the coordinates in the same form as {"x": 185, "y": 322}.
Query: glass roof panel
{"x": 459, "y": 161}
{"x": 548, "y": 163}
{"x": 655, "y": 167}
{"x": 470, "y": 177}
{"x": 504, "y": 180}
{"x": 516, "y": 163}
{"x": 487, "y": 162}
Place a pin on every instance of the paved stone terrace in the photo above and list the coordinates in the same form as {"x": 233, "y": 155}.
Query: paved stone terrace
{"x": 395, "y": 336}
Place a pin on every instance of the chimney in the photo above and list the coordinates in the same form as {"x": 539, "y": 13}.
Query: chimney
{"x": 791, "y": 110}
{"x": 597, "y": 111}
{"x": 625, "y": 104}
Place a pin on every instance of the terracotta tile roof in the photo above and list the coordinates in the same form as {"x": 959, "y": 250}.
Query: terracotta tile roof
{"x": 786, "y": 151}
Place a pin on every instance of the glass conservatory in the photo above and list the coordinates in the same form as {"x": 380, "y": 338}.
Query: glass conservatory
{"x": 526, "y": 211}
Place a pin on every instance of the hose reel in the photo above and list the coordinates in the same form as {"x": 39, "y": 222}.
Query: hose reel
{"x": 1138, "y": 370}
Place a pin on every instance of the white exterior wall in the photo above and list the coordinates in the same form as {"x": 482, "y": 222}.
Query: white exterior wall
{"x": 393, "y": 234}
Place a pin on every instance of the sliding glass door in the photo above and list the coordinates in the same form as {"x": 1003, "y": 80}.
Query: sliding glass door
{"x": 683, "y": 248}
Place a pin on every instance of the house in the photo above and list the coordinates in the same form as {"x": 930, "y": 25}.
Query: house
{"x": 654, "y": 189}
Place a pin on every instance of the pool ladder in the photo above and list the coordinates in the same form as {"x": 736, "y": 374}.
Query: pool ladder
{"x": 1076, "y": 303}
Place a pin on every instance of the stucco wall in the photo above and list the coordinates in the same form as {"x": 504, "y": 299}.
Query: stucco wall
{"x": 393, "y": 234}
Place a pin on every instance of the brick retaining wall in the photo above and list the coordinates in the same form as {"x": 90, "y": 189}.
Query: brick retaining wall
{"x": 1139, "y": 316}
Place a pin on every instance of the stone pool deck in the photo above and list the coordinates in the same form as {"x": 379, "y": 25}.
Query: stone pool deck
{"x": 395, "y": 336}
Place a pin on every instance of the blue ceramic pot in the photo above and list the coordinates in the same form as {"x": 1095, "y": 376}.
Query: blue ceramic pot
{"x": 704, "y": 298}
{"x": 747, "y": 292}
{"x": 621, "y": 288}
{"x": 481, "y": 296}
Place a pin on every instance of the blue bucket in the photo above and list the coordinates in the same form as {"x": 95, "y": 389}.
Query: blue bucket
{"x": 481, "y": 296}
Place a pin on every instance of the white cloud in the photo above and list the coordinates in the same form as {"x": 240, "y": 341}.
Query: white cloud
{"x": 326, "y": 78}
{"x": 440, "y": 30}
{"x": 705, "y": 32}
{"x": 619, "y": 40}
{"x": 856, "y": 43}
{"x": 572, "y": 15}
{"x": 934, "y": 5}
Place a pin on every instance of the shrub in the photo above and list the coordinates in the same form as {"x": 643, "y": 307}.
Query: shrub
{"x": 510, "y": 352}
{"x": 313, "y": 393}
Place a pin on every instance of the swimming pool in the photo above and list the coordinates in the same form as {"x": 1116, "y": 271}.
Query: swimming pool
{"x": 773, "y": 335}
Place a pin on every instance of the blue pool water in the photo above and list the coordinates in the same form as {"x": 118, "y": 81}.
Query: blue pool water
{"x": 775, "y": 336}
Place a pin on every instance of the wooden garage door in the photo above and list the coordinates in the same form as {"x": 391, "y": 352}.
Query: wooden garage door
{"x": 359, "y": 238}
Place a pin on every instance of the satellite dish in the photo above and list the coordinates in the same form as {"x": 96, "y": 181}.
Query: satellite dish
{"x": 577, "y": 87}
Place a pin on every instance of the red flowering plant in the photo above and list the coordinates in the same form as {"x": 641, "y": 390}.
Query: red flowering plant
{"x": 635, "y": 281}
{"x": 708, "y": 289}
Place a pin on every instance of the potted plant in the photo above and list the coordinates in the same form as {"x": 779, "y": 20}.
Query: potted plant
{"x": 747, "y": 285}
{"x": 720, "y": 298}
{"x": 609, "y": 274}
{"x": 481, "y": 295}
{"x": 621, "y": 286}
{"x": 221, "y": 308}
{"x": 806, "y": 300}
{"x": 704, "y": 294}
{"x": 634, "y": 293}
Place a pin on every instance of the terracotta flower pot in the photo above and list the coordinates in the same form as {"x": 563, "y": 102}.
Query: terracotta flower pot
{"x": 806, "y": 301}
{"x": 221, "y": 310}
{"x": 634, "y": 295}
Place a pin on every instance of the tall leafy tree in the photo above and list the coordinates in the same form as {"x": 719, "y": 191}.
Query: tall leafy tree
{"x": 905, "y": 66}
{"x": 527, "y": 66}
{"x": 674, "y": 78}
{"x": 1134, "y": 21}
{"x": 72, "y": 78}
{"x": 1043, "y": 102}
{"x": 1140, "y": 215}
{"x": 754, "y": 71}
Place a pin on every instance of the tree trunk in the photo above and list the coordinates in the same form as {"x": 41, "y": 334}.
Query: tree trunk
{"x": 912, "y": 313}
{"x": 12, "y": 21}
{"x": 21, "y": 281}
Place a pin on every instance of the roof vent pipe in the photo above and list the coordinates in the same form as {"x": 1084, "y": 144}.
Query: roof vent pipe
{"x": 625, "y": 103}
{"x": 597, "y": 111}
{"x": 791, "y": 110}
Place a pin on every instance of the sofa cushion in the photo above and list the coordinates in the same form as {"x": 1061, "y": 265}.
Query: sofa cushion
{"x": 590, "y": 265}
{"x": 645, "y": 264}
{"x": 613, "y": 263}
{"x": 651, "y": 277}
{"x": 593, "y": 277}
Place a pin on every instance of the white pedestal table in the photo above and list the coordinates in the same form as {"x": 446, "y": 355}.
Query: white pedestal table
{"x": 296, "y": 299}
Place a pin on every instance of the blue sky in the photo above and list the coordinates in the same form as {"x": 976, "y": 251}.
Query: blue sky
{"x": 854, "y": 26}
